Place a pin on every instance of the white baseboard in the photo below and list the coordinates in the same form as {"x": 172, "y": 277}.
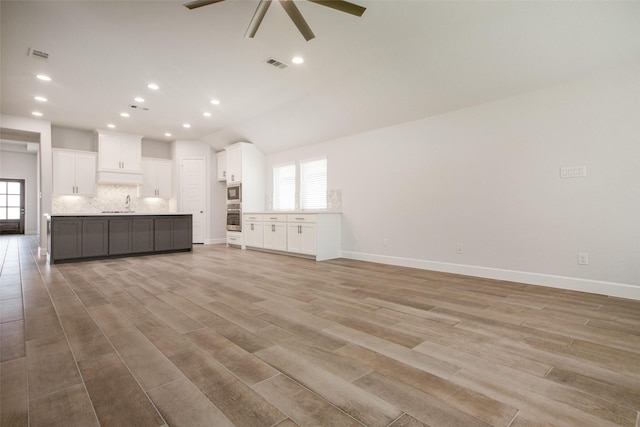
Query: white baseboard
{"x": 620, "y": 290}
{"x": 220, "y": 241}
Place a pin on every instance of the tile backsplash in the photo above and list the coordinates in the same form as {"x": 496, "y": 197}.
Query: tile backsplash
{"x": 108, "y": 198}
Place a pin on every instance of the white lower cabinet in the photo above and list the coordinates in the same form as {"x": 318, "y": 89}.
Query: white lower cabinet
{"x": 311, "y": 235}
{"x": 275, "y": 232}
{"x": 252, "y": 229}
{"x": 301, "y": 234}
{"x": 234, "y": 238}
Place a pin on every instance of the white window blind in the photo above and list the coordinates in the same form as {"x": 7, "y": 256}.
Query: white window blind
{"x": 284, "y": 187}
{"x": 313, "y": 184}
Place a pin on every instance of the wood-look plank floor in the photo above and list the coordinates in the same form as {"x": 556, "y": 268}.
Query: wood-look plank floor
{"x": 224, "y": 337}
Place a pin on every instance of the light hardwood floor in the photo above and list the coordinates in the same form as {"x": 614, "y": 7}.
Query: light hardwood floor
{"x": 222, "y": 337}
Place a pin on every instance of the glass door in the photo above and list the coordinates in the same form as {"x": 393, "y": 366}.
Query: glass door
{"x": 11, "y": 206}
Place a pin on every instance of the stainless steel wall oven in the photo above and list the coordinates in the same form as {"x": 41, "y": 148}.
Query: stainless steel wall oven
{"x": 234, "y": 217}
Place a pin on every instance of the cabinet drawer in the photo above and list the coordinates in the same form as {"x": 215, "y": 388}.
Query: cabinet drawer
{"x": 254, "y": 217}
{"x": 234, "y": 240}
{"x": 275, "y": 217}
{"x": 301, "y": 218}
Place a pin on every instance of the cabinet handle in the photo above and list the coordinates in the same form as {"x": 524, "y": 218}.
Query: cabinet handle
{"x": 224, "y": 174}
{"x": 273, "y": 228}
{"x": 299, "y": 229}
{"x": 251, "y": 227}
{"x": 300, "y": 219}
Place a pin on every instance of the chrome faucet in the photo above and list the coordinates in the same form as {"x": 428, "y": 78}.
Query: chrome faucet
{"x": 127, "y": 203}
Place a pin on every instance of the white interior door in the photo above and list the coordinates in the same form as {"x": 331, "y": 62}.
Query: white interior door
{"x": 193, "y": 180}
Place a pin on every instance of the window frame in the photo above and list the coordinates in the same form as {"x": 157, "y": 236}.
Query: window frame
{"x": 298, "y": 194}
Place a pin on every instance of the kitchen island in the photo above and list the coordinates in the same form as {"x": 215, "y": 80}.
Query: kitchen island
{"x": 87, "y": 236}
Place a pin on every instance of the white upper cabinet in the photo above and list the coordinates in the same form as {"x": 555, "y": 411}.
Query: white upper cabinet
{"x": 74, "y": 173}
{"x": 246, "y": 164}
{"x": 234, "y": 163}
{"x": 221, "y": 158}
{"x": 119, "y": 158}
{"x": 157, "y": 178}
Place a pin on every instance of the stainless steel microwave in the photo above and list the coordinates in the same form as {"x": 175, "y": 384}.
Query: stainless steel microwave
{"x": 234, "y": 193}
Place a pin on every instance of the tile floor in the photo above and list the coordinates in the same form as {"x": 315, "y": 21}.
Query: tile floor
{"x": 222, "y": 337}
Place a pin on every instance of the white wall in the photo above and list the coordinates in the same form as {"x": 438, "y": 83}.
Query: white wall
{"x": 16, "y": 165}
{"x": 156, "y": 149}
{"x": 73, "y": 139}
{"x": 487, "y": 178}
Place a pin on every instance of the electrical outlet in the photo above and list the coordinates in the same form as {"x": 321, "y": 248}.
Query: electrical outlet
{"x": 583, "y": 258}
{"x": 385, "y": 242}
{"x": 458, "y": 248}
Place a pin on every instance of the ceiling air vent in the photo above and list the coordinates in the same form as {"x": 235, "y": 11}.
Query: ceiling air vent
{"x": 37, "y": 53}
{"x": 276, "y": 63}
{"x": 138, "y": 108}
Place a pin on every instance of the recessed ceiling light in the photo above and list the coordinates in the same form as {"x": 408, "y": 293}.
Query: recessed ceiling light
{"x": 37, "y": 113}
{"x": 43, "y": 77}
{"x": 138, "y": 99}
{"x": 40, "y": 98}
{"x": 206, "y": 114}
{"x": 111, "y": 125}
{"x": 124, "y": 114}
{"x": 153, "y": 86}
{"x": 297, "y": 59}
{"x": 167, "y": 134}
{"x": 186, "y": 125}
{"x": 215, "y": 102}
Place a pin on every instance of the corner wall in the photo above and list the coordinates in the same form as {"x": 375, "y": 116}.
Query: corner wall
{"x": 485, "y": 181}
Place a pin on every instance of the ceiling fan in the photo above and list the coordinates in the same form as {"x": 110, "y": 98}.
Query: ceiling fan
{"x": 291, "y": 9}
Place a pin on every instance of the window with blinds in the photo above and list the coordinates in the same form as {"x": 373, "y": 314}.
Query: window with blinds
{"x": 313, "y": 184}
{"x": 284, "y": 187}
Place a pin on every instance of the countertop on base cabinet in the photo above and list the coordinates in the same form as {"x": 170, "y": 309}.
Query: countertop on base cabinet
{"x": 315, "y": 235}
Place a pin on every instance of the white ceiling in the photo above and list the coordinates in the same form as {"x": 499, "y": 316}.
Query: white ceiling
{"x": 402, "y": 60}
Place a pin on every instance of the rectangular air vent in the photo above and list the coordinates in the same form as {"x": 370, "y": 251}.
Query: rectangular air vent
{"x": 38, "y": 53}
{"x": 137, "y": 107}
{"x": 276, "y": 63}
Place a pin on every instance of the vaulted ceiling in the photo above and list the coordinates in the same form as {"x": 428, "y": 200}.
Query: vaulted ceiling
{"x": 400, "y": 61}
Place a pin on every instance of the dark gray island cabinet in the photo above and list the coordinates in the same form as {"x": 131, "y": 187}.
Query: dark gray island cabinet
{"x": 84, "y": 237}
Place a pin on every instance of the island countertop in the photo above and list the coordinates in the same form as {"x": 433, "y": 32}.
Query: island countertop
{"x": 113, "y": 213}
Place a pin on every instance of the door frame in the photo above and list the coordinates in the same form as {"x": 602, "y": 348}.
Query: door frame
{"x": 205, "y": 199}
{"x": 21, "y": 221}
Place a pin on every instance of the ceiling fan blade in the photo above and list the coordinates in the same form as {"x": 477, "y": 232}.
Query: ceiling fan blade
{"x": 342, "y": 6}
{"x": 257, "y": 18}
{"x": 298, "y": 20}
{"x": 199, "y": 3}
